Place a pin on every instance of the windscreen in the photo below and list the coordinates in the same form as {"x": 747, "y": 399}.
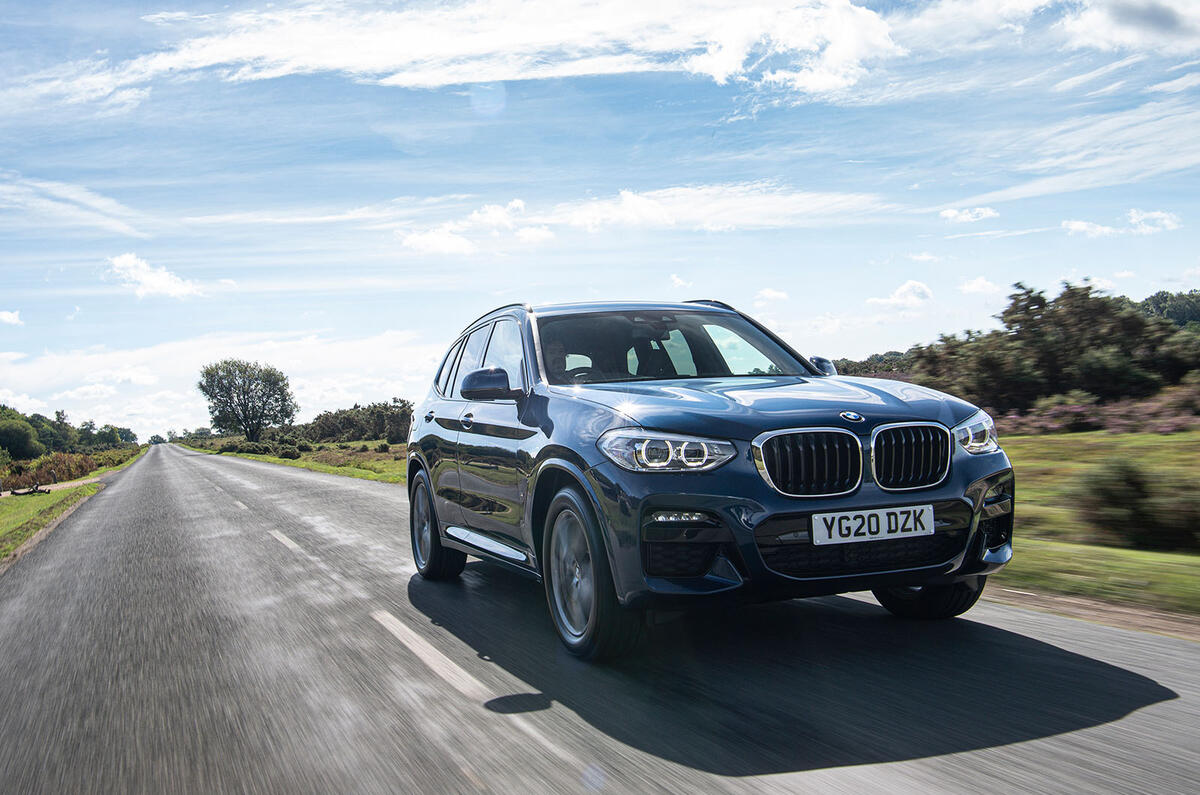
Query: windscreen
{"x": 608, "y": 347}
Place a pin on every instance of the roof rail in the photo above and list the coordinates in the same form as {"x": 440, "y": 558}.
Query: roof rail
{"x": 711, "y": 302}
{"x": 524, "y": 306}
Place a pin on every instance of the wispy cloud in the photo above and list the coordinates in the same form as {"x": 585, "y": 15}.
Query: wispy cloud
{"x": 1087, "y": 77}
{"x": 980, "y": 285}
{"x": 811, "y": 47}
{"x": 1141, "y": 222}
{"x": 1177, "y": 85}
{"x": 924, "y": 256}
{"x": 146, "y": 279}
{"x": 50, "y": 203}
{"x": 678, "y": 282}
{"x": 1167, "y": 26}
{"x": 968, "y": 215}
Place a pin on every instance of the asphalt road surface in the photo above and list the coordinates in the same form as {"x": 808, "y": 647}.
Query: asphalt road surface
{"x": 212, "y": 624}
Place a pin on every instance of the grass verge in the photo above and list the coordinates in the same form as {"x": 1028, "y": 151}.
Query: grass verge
{"x": 372, "y": 466}
{"x": 22, "y": 516}
{"x": 1162, "y": 580}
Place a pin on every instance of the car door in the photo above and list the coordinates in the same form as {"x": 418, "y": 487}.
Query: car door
{"x": 441, "y": 426}
{"x": 495, "y": 449}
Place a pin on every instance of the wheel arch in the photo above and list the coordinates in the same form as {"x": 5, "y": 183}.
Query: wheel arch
{"x": 550, "y": 478}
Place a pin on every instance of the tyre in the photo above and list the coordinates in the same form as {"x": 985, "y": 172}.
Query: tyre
{"x": 434, "y": 561}
{"x": 579, "y": 585}
{"x": 931, "y": 601}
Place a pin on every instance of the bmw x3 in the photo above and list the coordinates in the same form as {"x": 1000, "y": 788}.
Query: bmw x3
{"x": 663, "y": 456}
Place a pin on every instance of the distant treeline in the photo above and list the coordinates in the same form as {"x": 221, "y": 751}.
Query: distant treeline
{"x": 389, "y": 421}
{"x": 1080, "y": 356}
{"x": 25, "y": 437}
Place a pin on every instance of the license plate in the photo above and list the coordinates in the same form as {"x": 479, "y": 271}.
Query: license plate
{"x": 853, "y": 526}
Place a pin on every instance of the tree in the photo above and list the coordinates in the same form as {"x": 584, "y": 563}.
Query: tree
{"x": 19, "y": 439}
{"x": 157, "y": 439}
{"x": 246, "y": 396}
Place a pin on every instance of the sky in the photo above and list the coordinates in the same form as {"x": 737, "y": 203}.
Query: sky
{"x": 337, "y": 189}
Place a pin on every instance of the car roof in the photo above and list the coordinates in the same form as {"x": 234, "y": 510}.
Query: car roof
{"x": 583, "y": 307}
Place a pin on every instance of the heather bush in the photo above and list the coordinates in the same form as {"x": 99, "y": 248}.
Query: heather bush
{"x": 363, "y": 449}
{"x": 289, "y": 451}
{"x": 304, "y": 446}
{"x": 228, "y": 447}
{"x": 1124, "y": 508}
{"x": 382, "y": 447}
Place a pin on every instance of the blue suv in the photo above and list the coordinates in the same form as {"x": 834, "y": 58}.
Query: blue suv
{"x": 637, "y": 456}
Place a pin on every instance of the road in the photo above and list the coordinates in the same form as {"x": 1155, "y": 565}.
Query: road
{"x": 209, "y": 623}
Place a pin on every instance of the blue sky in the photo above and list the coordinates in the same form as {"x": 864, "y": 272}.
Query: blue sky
{"x": 337, "y": 189}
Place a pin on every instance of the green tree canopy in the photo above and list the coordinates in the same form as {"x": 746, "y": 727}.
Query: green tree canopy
{"x": 246, "y": 397}
{"x": 19, "y": 439}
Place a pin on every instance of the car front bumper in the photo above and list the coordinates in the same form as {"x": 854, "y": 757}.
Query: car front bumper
{"x": 753, "y": 544}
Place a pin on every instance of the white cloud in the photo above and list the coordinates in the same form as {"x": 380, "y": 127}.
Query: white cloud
{"x": 441, "y": 240}
{"x": 1124, "y": 275}
{"x": 145, "y": 279}
{"x": 86, "y": 392}
{"x": 1177, "y": 85}
{"x": 980, "y": 285}
{"x": 910, "y": 295}
{"x": 1141, "y": 222}
{"x": 20, "y": 401}
{"x": 57, "y": 204}
{"x": 811, "y": 46}
{"x": 1078, "y": 80}
{"x": 534, "y": 234}
{"x": 767, "y": 296}
{"x": 678, "y": 283}
{"x": 1088, "y": 228}
{"x": 11, "y": 318}
{"x": 73, "y": 314}
{"x": 924, "y": 256}
{"x": 968, "y": 215}
{"x": 1167, "y": 26}
{"x": 1149, "y": 223}
{"x": 998, "y": 233}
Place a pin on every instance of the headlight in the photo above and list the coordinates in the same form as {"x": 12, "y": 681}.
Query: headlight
{"x": 977, "y": 434}
{"x": 650, "y": 451}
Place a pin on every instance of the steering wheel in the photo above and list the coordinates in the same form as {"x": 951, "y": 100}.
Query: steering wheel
{"x": 576, "y": 374}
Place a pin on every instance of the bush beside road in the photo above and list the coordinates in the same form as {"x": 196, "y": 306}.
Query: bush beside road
{"x": 373, "y": 460}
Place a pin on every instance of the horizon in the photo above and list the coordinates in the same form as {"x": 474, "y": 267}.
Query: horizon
{"x": 338, "y": 190}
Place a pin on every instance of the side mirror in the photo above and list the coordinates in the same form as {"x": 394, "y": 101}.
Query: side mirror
{"x": 490, "y": 384}
{"x": 826, "y": 366}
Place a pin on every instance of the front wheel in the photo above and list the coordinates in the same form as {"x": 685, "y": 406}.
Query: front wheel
{"x": 579, "y": 586}
{"x": 931, "y": 601}
{"x": 433, "y": 560}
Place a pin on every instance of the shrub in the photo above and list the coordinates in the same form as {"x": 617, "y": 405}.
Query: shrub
{"x": 229, "y": 447}
{"x": 256, "y": 448}
{"x": 1124, "y": 509}
{"x": 289, "y": 451}
{"x": 20, "y": 440}
{"x": 304, "y": 446}
{"x": 363, "y": 449}
{"x": 382, "y": 447}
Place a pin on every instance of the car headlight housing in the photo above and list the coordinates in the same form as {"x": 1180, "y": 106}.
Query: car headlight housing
{"x": 977, "y": 434}
{"x": 640, "y": 450}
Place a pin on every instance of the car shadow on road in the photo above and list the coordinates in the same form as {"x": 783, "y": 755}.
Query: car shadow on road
{"x": 791, "y": 686}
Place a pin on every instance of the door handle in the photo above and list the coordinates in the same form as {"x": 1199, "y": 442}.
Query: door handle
{"x": 429, "y": 417}
{"x": 467, "y": 420}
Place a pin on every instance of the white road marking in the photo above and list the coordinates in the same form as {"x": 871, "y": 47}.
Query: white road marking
{"x": 460, "y": 680}
{"x": 287, "y": 542}
{"x": 241, "y": 505}
{"x": 1023, "y": 593}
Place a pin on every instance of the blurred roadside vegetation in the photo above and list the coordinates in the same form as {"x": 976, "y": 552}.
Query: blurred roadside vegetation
{"x": 35, "y": 449}
{"x": 21, "y": 517}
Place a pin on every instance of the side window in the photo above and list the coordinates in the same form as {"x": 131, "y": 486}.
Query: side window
{"x": 680, "y": 353}
{"x": 506, "y": 352}
{"x": 447, "y": 369}
{"x": 472, "y": 354}
{"x": 578, "y": 360}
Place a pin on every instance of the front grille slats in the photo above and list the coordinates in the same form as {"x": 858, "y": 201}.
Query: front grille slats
{"x": 812, "y": 463}
{"x": 910, "y": 456}
{"x": 807, "y": 560}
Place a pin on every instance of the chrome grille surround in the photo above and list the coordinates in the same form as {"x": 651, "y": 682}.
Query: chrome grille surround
{"x": 941, "y": 474}
{"x": 760, "y": 459}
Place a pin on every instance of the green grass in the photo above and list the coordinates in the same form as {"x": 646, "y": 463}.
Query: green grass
{"x": 1049, "y": 467}
{"x": 23, "y": 515}
{"x": 1163, "y": 580}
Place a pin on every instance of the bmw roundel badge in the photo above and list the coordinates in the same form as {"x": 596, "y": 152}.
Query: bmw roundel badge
{"x": 851, "y": 416}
